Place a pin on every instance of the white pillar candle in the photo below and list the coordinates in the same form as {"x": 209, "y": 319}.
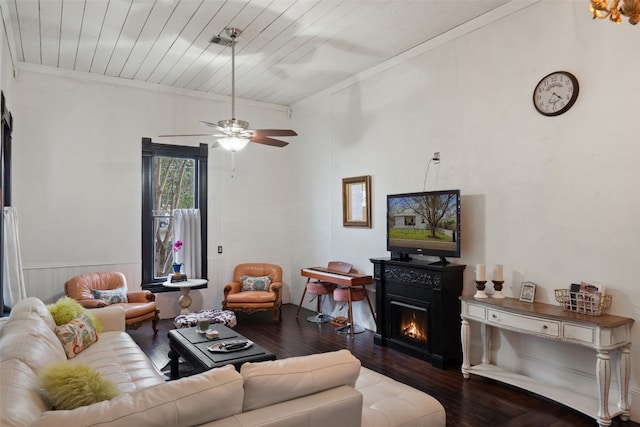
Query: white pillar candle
{"x": 497, "y": 273}
{"x": 481, "y": 273}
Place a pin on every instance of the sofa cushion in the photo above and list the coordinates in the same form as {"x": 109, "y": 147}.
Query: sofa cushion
{"x": 34, "y": 305}
{"x": 266, "y": 383}
{"x": 69, "y": 386}
{"x": 391, "y": 403}
{"x": 119, "y": 359}
{"x": 338, "y": 406}
{"x": 20, "y": 402}
{"x": 190, "y": 401}
{"x": 77, "y": 335}
{"x": 27, "y": 337}
{"x": 111, "y": 296}
{"x": 250, "y": 283}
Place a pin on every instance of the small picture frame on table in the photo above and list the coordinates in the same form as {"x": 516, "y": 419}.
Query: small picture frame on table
{"x": 527, "y": 292}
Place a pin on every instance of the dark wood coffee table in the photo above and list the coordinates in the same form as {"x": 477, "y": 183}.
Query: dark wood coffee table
{"x": 192, "y": 346}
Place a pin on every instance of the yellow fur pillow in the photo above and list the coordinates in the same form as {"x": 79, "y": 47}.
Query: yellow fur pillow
{"x": 69, "y": 386}
{"x": 66, "y": 309}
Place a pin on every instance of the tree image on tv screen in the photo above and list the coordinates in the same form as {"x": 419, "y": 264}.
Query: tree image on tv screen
{"x": 435, "y": 209}
{"x": 424, "y": 217}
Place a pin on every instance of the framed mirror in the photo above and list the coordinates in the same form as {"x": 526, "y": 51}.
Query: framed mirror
{"x": 356, "y": 201}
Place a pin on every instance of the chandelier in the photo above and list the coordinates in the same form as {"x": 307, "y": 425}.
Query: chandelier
{"x": 629, "y": 8}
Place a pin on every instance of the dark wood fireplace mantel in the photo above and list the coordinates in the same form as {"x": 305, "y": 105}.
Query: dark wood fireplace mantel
{"x": 432, "y": 287}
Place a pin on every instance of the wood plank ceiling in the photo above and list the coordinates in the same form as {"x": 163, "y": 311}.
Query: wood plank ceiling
{"x": 289, "y": 49}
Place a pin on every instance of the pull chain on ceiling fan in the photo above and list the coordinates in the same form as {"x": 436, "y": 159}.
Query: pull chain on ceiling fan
{"x": 234, "y": 134}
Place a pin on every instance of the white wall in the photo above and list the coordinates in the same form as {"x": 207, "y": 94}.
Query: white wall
{"x": 77, "y": 182}
{"x": 554, "y": 199}
{"x": 6, "y": 68}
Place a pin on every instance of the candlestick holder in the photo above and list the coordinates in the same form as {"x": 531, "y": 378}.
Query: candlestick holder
{"x": 480, "y": 293}
{"x": 497, "y": 286}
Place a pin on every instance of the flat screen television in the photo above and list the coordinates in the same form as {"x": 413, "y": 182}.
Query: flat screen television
{"x": 425, "y": 223}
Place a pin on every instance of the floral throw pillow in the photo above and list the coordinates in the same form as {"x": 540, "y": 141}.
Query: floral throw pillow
{"x": 260, "y": 283}
{"x": 111, "y": 296}
{"x": 77, "y": 335}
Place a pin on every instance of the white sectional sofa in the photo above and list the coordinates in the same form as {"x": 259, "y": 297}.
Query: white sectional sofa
{"x": 317, "y": 390}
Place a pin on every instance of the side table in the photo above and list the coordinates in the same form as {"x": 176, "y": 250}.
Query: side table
{"x": 185, "y": 287}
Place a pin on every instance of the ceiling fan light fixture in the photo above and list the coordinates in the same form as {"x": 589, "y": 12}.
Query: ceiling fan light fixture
{"x": 233, "y": 143}
{"x": 235, "y": 134}
{"x": 233, "y": 125}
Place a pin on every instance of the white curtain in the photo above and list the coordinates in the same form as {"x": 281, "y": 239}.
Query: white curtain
{"x": 186, "y": 227}
{"x": 13, "y": 278}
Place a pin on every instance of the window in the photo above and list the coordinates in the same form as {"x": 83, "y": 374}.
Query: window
{"x": 173, "y": 177}
{"x": 6, "y": 127}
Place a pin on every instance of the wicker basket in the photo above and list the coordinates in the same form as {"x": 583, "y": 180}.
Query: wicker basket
{"x": 583, "y": 302}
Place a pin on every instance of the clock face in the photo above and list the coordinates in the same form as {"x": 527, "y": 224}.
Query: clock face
{"x": 555, "y": 93}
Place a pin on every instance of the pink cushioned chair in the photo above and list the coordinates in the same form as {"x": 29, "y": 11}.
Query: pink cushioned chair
{"x": 319, "y": 288}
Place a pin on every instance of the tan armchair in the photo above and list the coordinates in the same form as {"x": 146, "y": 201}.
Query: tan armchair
{"x": 251, "y": 301}
{"x": 141, "y": 305}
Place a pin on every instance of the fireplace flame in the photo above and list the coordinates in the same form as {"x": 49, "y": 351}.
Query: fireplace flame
{"x": 413, "y": 331}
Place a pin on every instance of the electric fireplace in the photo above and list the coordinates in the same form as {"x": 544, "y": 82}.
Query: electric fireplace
{"x": 410, "y": 323}
{"x": 418, "y": 309}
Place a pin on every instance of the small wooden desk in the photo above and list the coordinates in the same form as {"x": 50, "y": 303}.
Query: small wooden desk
{"x": 185, "y": 300}
{"x": 604, "y": 334}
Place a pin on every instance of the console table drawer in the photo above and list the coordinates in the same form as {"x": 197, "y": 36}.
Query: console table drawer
{"x": 579, "y": 333}
{"x": 524, "y": 323}
{"x": 476, "y": 311}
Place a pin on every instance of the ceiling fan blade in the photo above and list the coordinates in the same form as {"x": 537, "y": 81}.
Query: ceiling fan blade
{"x": 274, "y": 132}
{"x": 269, "y": 141}
{"x": 213, "y": 125}
{"x": 189, "y": 134}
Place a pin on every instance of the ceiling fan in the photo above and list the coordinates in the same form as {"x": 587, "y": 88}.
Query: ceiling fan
{"x": 234, "y": 134}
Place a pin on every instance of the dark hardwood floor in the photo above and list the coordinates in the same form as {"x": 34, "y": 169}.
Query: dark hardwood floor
{"x": 476, "y": 402}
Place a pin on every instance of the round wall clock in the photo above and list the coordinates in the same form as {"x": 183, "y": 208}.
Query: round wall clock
{"x": 555, "y": 93}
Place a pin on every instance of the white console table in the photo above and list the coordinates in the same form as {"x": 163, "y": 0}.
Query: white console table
{"x": 605, "y": 334}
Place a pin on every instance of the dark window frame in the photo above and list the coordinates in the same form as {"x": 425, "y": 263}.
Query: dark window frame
{"x": 149, "y": 150}
{"x": 6, "y": 129}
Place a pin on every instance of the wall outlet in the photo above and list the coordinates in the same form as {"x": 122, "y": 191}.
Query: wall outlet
{"x": 436, "y": 157}
{"x": 219, "y": 249}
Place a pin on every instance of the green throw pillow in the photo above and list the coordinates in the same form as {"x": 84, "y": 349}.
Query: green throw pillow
{"x": 69, "y": 386}
{"x": 66, "y": 309}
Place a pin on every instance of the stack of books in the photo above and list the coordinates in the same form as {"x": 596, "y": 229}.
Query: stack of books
{"x": 178, "y": 277}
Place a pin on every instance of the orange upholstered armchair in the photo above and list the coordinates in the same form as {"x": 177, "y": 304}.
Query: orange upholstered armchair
{"x": 255, "y": 287}
{"x": 94, "y": 290}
